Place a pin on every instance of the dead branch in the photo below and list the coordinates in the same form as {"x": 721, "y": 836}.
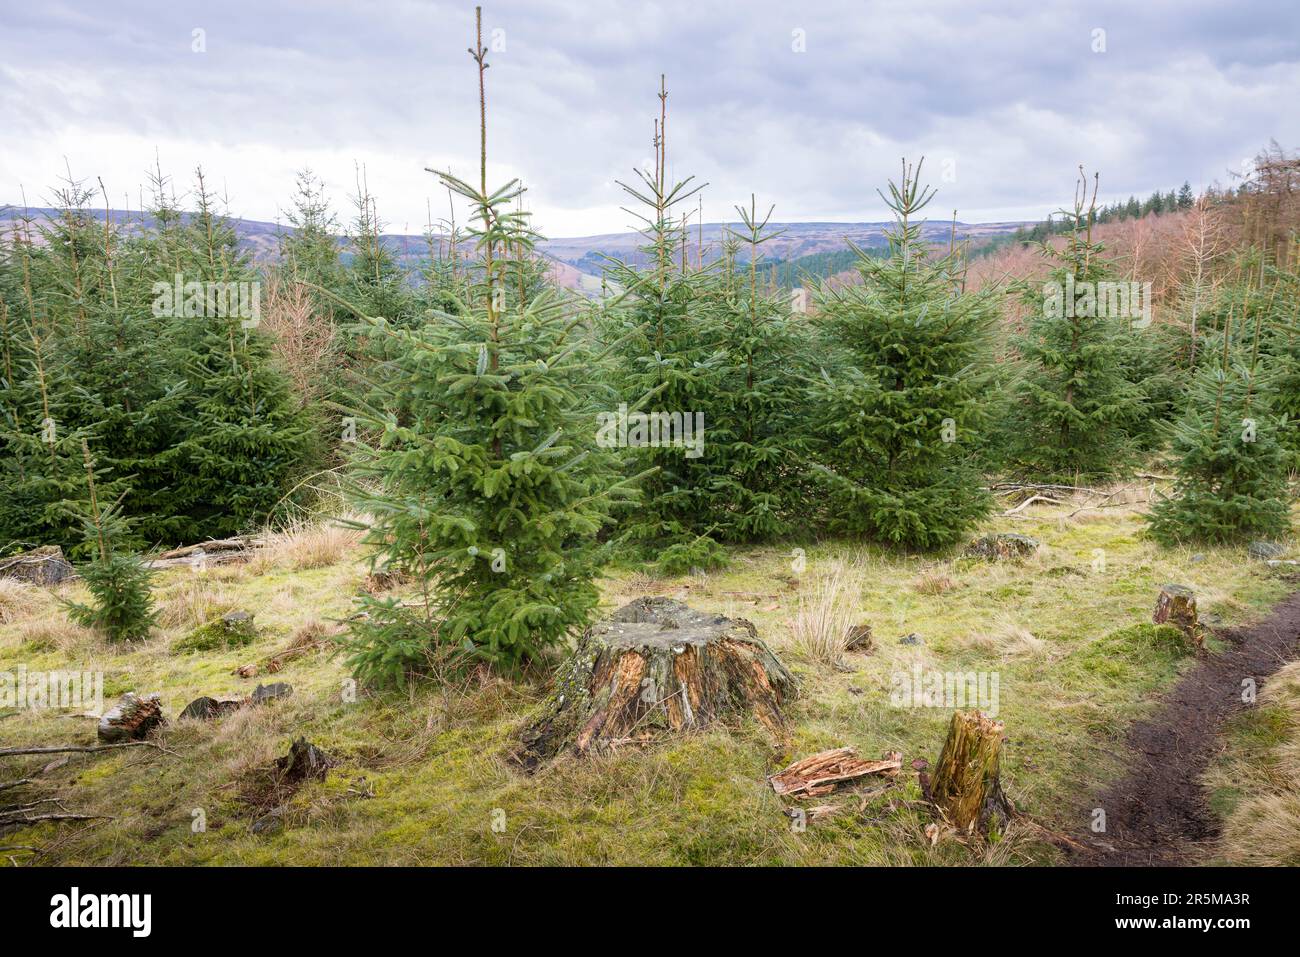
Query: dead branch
{"x": 80, "y": 748}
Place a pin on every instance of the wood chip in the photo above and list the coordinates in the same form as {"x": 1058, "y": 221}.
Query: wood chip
{"x": 823, "y": 772}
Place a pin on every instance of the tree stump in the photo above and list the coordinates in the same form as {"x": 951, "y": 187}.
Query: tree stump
{"x": 654, "y": 666}
{"x": 966, "y": 786}
{"x": 1177, "y": 606}
{"x": 132, "y": 719}
{"x": 1002, "y": 547}
{"x": 40, "y": 566}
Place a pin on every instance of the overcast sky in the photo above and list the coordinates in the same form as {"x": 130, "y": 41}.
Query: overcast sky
{"x": 809, "y": 105}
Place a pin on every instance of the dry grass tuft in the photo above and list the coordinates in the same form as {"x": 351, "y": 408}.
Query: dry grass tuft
{"x": 933, "y": 582}
{"x": 1006, "y": 640}
{"x": 826, "y": 615}
{"x": 303, "y": 545}
{"x": 18, "y": 600}
{"x": 193, "y": 602}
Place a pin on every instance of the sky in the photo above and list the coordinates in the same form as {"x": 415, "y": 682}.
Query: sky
{"x": 810, "y": 106}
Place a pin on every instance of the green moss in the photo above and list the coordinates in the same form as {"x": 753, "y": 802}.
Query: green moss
{"x": 220, "y": 634}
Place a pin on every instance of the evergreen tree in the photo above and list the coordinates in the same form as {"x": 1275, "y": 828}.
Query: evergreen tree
{"x": 666, "y": 365}
{"x": 1186, "y": 199}
{"x": 902, "y": 416}
{"x": 1231, "y": 466}
{"x": 491, "y": 494}
{"x": 123, "y": 608}
{"x": 1076, "y": 404}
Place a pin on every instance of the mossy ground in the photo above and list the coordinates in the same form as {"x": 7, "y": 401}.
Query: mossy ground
{"x": 424, "y": 777}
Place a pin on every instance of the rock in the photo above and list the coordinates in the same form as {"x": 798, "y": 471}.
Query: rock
{"x": 234, "y": 629}
{"x": 270, "y": 823}
{"x": 859, "y": 638}
{"x": 657, "y": 666}
{"x": 304, "y": 762}
{"x": 1176, "y": 606}
{"x": 1004, "y": 546}
{"x": 40, "y": 566}
{"x": 205, "y": 708}
{"x": 264, "y": 693}
{"x": 132, "y": 719}
{"x": 1263, "y": 551}
{"x": 1198, "y": 557}
{"x": 911, "y": 639}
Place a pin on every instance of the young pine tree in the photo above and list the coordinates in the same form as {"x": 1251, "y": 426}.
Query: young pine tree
{"x": 1076, "y": 405}
{"x": 122, "y": 606}
{"x": 487, "y": 490}
{"x": 1229, "y": 460}
{"x": 902, "y": 411}
{"x": 666, "y": 363}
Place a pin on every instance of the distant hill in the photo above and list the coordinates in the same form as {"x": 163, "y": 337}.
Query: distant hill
{"x": 580, "y": 260}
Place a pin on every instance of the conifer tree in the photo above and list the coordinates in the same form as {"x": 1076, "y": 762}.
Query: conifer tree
{"x": 1076, "y": 404}
{"x": 245, "y": 440}
{"x": 902, "y": 412}
{"x": 122, "y": 608}
{"x": 489, "y": 492}
{"x": 666, "y": 365}
{"x": 1229, "y": 459}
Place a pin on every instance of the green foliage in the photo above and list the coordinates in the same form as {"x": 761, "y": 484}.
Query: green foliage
{"x": 122, "y": 606}
{"x": 219, "y": 634}
{"x": 487, "y": 489}
{"x": 901, "y": 411}
{"x": 1077, "y": 407}
{"x": 1231, "y": 466}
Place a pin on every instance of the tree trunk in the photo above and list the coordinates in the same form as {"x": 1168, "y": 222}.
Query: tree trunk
{"x": 132, "y": 719}
{"x": 966, "y": 785}
{"x": 654, "y": 666}
{"x": 1177, "y": 606}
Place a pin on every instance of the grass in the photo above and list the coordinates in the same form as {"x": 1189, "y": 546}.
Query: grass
{"x": 423, "y": 776}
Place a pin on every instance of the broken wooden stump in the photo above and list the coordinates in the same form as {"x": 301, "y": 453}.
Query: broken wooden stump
{"x": 859, "y": 638}
{"x": 823, "y": 772}
{"x": 657, "y": 665}
{"x": 966, "y": 786}
{"x": 1177, "y": 606}
{"x": 304, "y": 762}
{"x": 132, "y": 719}
{"x": 208, "y": 709}
{"x": 39, "y": 566}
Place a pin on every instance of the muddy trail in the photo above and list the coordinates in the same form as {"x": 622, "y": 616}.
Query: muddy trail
{"x": 1158, "y": 812}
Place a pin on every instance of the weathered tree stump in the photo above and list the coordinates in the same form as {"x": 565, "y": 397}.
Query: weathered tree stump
{"x": 1177, "y": 606}
{"x": 40, "y": 566}
{"x": 132, "y": 719}
{"x": 1002, "y": 547}
{"x": 304, "y": 762}
{"x": 657, "y": 665}
{"x": 966, "y": 786}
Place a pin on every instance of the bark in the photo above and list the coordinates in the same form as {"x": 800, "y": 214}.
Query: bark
{"x": 1177, "y": 606}
{"x": 132, "y": 719}
{"x": 657, "y": 666}
{"x": 966, "y": 786}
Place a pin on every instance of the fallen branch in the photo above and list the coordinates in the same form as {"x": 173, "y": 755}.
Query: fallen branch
{"x": 1030, "y": 501}
{"x": 80, "y": 748}
{"x": 6, "y": 785}
{"x": 36, "y": 819}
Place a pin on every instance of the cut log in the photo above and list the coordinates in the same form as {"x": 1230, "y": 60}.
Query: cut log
{"x": 823, "y": 772}
{"x": 217, "y": 552}
{"x": 966, "y": 786}
{"x": 132, "y": 719}
{"x": 1177, "y": 606}
{"x": 40, "y": 566}
{"x": 656, "y": 666}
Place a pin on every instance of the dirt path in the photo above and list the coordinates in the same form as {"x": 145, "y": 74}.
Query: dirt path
{"x": 1158, "y": 813}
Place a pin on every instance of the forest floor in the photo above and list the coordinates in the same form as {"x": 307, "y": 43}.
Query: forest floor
{"x": 425, "y": 777}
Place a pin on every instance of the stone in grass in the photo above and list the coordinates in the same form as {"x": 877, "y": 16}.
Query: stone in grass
{"x": 1264, "y": 551}
{"x": 40, "y": 566}
{"x": 1176, "y": 606}
{"x": 234, "y": 629}
{"x": 1002, "y": 547}
{"x": 912, "y": 638}
{"x": 206, "y": 709}
{"x": 133, "y": 718}
{"x": 264, "y": 693}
